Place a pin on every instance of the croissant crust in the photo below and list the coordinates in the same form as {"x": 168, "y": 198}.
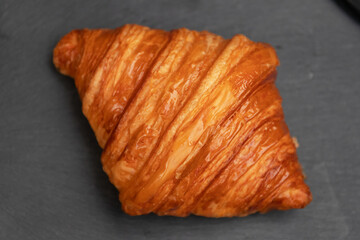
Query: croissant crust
{"x": 189, "y": 122}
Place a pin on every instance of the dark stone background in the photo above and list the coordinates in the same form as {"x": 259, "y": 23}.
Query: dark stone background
{"x": 51, "y": 182}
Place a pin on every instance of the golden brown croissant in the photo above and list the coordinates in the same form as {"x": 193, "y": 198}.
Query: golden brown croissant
{"x": 190, "y": 123}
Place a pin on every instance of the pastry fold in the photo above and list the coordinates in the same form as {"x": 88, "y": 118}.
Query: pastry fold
{"x": 189, "y": 122}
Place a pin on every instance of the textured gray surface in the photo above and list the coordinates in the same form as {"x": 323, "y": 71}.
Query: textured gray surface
{"x": 51, "y": 182}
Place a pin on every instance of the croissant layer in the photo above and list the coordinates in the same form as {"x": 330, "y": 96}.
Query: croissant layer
{"x": 189, "y": 122}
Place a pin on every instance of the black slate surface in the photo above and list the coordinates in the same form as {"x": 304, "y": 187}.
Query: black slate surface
{"x": 51, "y": 182}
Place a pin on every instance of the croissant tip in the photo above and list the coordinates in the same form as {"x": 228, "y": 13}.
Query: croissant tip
{"x": 291, "y": 198}
{"x": 300, "y": 198}
{"x": 67, "y": 53}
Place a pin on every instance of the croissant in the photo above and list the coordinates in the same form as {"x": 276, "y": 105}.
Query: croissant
{"x": 189, "y": 122}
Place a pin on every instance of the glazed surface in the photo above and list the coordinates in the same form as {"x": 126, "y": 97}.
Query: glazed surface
{"x": 190, "y": 123}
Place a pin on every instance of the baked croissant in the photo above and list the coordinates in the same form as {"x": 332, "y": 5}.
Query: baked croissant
{"x": 189, "y": 123}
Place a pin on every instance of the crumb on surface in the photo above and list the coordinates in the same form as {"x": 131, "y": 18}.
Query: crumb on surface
{"x": 296, "y": 142}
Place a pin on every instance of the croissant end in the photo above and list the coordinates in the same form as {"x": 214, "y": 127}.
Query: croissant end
{"x": 67, "y": 53}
